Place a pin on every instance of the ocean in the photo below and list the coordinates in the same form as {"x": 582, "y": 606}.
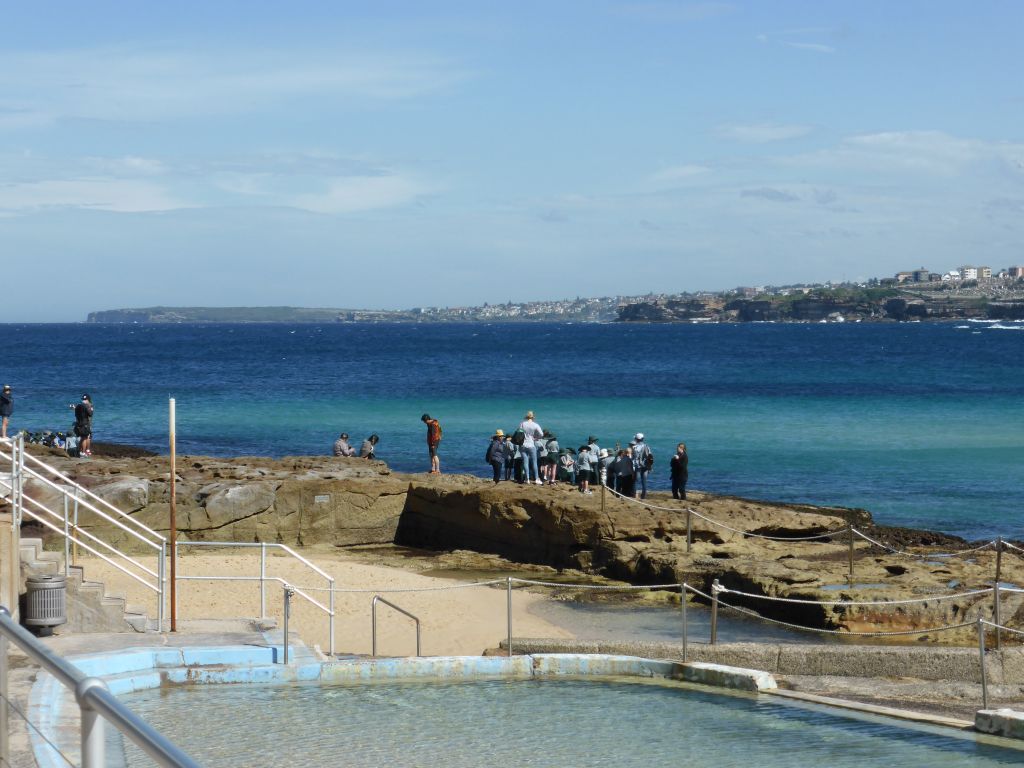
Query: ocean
{"x": 921, "y": 424}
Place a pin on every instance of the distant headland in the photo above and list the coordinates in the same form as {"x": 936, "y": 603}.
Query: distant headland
{"x": 916, "y": 295}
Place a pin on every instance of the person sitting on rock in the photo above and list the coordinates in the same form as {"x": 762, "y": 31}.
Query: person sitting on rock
{"x": 368, "y": 450}
{"x": 342, "y": 447}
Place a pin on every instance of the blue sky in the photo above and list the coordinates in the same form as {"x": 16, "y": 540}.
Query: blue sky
{"x": 392, "y": 154}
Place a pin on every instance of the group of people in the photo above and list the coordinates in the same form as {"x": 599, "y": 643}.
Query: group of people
{"x": 532, "y": 454}
{"x": 367, "y": 450}
{"x": 83, "y": 419}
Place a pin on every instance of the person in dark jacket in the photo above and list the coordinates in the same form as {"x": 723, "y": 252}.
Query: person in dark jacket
{"x": 369, "y": 447}
{"x": 6, "y": 408}
{"x": 680, "y": 471}
{"x": 625, "y": 473}
{"x": 495, "y": 455}
{"x": 83, "y": 425}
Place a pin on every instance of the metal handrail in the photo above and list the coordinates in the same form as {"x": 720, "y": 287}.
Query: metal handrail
{"x": 263, "y": 578}
{"x": 95, "y": 703}
{"x": 99, "y": 499}
{"x": 373, "y": 627}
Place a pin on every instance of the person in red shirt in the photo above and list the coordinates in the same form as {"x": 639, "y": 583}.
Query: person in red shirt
{"x": 433, "y": 440}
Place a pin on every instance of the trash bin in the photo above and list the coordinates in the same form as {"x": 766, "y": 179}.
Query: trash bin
{"x": 45, "y": 603}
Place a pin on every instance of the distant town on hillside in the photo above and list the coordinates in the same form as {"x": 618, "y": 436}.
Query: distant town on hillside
{"x": 970, "y": 292}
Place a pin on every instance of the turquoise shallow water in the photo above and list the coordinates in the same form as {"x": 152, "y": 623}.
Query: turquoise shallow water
{"x": 922, "y": 424}
{"x": 542, "y": 724}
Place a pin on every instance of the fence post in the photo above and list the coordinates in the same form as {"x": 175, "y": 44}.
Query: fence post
{"x": 995, "y": 593}
{"x": 287, "y": 615}
{"x": 689, "y": 530}
{"x": 67, "y": 541}
{"x": 263, "y": 582}
{"x": 602, "y": 495}
{"x": 5, "y": 742}
{"x": 715, "y": 587}
{"x": 509, "y": 614}
{"x": 849, "y": 575}
{"x": 94, "y": 745}
{"x": 981, "y": 651}
{"x": 682, "y": 601}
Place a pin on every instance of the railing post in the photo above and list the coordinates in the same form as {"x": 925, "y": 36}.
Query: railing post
{"x": 508, "y": 609}
{"x": 263, "y": 580}
{"x": 682, "y": 602}
{"x": 995, "y": 594}
{"x": 67, "y": 541}
{"x": 330, "y": 586}
{"x": 93, "y": 743}
{"x": 715, "y": 587}
{"x": 602, "y": 495}
{"x": 373, "y": 626}
{"x": 981, "y": 651}
{"x": 689, "y": 530}
{"x": 287, "y": 615}
{"x": 5, "y": 737}
{"x": 74, "y": 543}
{"x": 849, "y": 575}
{"x": 162, "y": 592}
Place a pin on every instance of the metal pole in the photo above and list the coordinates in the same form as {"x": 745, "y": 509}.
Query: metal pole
{"x": 5, "y": 738}
{"x": 93, "y": 744}
{"x": 263, "y": 582}
{"x": 74, "y": 542}
{"x": 330, "y": 651}
{"x": 287, "y": 615}
{"x": 373, "y": 625}
{"x": 682, "y": 601}
{"x": 162, "y": 578}
{"x": 67, "y": 540}
{"x": 715, "y": 586}
{"x": 849, "y": 575}
{"x": 995, "y": 594}
{"x": 14, "y": 483}
{"x": 174, "y": 526}
{"x": 981, "y": 650}
{"x": 509, "y": 615}
{"x": 689, "y": 530}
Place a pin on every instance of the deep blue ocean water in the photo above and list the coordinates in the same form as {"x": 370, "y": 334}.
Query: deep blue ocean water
{"x": 922, "y": 424}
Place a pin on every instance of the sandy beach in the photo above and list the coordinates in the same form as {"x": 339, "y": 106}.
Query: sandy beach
{"x": 455, "y": 619}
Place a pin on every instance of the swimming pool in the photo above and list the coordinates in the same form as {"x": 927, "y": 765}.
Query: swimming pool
{"x": 542, "y": 723}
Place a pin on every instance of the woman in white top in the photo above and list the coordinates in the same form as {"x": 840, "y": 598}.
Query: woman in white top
{"x": 532, "y": 432}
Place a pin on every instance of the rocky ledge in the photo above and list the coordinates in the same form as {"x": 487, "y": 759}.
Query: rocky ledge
{"x": 317, "y": 501}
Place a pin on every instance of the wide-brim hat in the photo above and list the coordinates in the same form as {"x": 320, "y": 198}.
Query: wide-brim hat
{"x": 591, "y": 439}
{"x": 604, "y": 453}
{"x": 499, "y": 433}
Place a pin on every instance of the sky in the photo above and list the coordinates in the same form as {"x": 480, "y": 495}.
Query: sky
{"x": 400, "y": 154}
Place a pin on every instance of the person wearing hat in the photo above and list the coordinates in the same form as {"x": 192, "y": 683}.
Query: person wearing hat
{"x": 604, "y": 462}
{"x": 680, "y": 467}
{"x": 433, "y": 441}
{"x": 550, "y": 469}
{"x": 342, "y": 446}
{"x": 533, "y": 433}
{"x": 643, "y": 460}
{"x": 495, "y": 455}
{"x": 368, "y": 449}
{"x": 6, "y": 409}
{"x": 83, "y": 425}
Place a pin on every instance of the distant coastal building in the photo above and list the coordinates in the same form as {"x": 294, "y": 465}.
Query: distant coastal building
{"x": 984, "y": 273}
{"x": 1015, "y": 272}
{"x": 968, "y": 272}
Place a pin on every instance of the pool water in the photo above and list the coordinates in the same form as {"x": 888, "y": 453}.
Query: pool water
{"x": 537, "y": 723}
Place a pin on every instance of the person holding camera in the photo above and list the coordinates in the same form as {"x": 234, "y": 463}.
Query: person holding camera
{"x": 6, "y": 409}
{"x": 83, "y": 424}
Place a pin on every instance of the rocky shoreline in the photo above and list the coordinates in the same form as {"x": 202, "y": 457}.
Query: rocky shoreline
{"x": 339, "y": 502}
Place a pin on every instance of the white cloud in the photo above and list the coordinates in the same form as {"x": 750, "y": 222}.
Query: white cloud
{"x": 128, "y": 84}
{"x": 119, "y": 195}
{"x": 816, "y": 47}
{"x": 679, "y": 173}
{"x": 762, "y": 133}
{"x": 353, "y": 194}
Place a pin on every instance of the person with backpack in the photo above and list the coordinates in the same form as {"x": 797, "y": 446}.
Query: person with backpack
{"x": 624, "y": 471}
{"x": 643, "y": 460}
{"x": 531, "y": 434}
{"x": 495, "y": 455}
{"x": 583, "y": 471}
{"x": 510, "y": 458}
{"x": 433, "y": 441}
{"x": 679, "y": 467}
{"x": 567, "y": 466}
